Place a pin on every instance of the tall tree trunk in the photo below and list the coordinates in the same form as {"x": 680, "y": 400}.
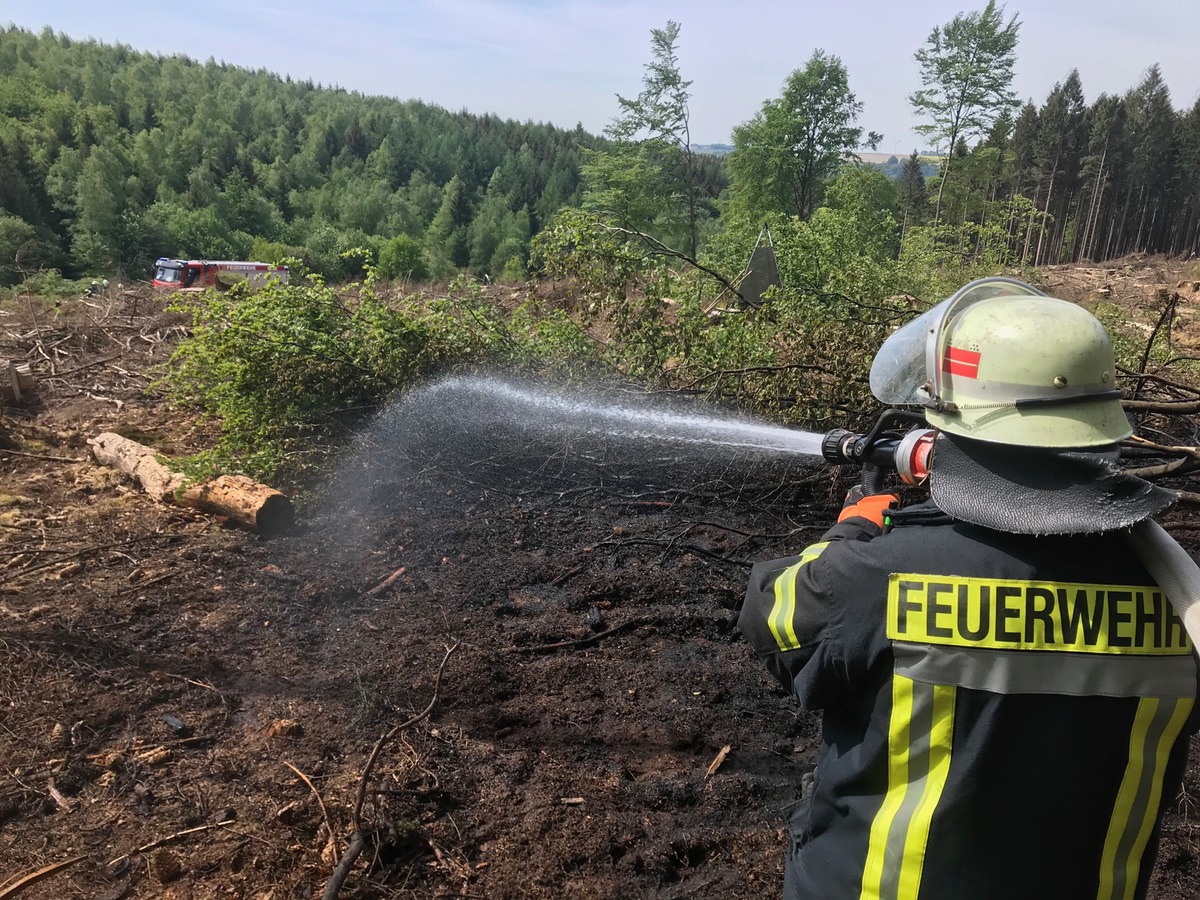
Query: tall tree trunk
{"x": 1029, "y": 230}
{"x": 937, "y": 210}
{"x": 1037, "y": 256}
{"x": 1142, "y": 205}
{"x": 1089, "y": 229}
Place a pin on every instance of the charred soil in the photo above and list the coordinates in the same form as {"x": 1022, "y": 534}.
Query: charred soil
{"x": 188, "y": 710}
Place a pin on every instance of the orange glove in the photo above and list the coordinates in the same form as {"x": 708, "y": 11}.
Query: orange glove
{"x": 872, "y": 507}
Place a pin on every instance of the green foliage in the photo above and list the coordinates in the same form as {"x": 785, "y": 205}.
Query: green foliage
{"x": 21, "y": 249}
{"x": 286, "y": 368}
{"x": 50, "y": 283}
{"x": 966, "y": 76}
{"x": 784, "y": 155}
{"x": 276, "y": 252}
{"x": 403, "y": 257}
{"x": 650, "y": 178}
{"x": 146, "y": 156}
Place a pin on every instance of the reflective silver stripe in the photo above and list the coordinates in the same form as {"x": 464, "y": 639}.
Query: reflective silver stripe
{"x": 1031, "y": 672}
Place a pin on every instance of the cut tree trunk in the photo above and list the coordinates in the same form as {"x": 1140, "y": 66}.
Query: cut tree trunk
{"x": 16, "y": 380}
{"x": 246, "y": 501}
{"x": 242, "y": 500}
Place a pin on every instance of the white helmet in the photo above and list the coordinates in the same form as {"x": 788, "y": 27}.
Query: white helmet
{"x": 1001, "y": 362}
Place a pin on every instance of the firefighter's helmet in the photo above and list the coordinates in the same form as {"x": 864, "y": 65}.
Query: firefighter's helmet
{"x": 1001, "y": 362}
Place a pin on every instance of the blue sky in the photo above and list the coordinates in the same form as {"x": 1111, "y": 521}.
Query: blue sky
{"x": 563, "y": 61}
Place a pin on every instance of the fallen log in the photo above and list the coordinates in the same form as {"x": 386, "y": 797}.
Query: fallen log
{"x": 242, "y": 500}
{"x": 137, "y": 461}
{"x": 246, "y": 501}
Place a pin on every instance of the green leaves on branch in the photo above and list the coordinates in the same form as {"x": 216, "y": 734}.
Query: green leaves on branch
{"x": 966, "y": 77}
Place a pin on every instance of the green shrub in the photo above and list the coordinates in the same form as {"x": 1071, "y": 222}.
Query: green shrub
{"x": 403, "y": 257}
{"x": 51, "y": 284}
{"x": 289, "y": 368}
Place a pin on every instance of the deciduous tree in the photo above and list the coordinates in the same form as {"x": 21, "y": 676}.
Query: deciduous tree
{"x": 966, "y": 76}
{"x": 650, "y": 178}
{"x": 784, "y": 154}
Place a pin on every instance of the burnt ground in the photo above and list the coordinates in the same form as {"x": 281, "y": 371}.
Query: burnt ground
{"x": 187, "y": 709}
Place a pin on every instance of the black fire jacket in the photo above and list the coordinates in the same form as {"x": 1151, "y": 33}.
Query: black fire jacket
{"x": 1005, "y": 716}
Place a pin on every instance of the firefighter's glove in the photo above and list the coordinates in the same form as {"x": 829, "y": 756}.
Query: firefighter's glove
{"x": 872, "y": 507}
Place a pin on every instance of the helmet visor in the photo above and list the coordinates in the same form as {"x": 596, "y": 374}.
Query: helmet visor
{"x": 906, "y": 369}
{"x": 899, "y": 375}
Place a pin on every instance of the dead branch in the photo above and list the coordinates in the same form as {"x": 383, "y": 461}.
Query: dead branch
{"x": 663, "y": 250}
{"x": 169, "y": 838}
{"x": 1167, "y": 313}
{"x": 320, "y": 802}
{"x": 1176, "y": 407}
{"x": 34, "y": 877}
{"x": 358, "y": 840}
{"x": 1160, "y": 379}
{"x": 1180, "y": 466}
{"x": 91, "y": 365}
{"x": 582, "y": 642}
{"x": 78, "y": 553}
{"x": 1174, "y": 450}
{"x": 41, "y": 456}
{"x": 386, "y": 583}
{"x": 357, "y": 844}
{"x": 142, "y": 585}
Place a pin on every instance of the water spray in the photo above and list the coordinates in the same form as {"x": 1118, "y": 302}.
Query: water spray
{"x": 899, "y": 441}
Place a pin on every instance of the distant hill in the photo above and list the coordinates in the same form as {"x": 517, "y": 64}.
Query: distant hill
{"x": 892, "y": 164}
{"x": 110, "y": 158}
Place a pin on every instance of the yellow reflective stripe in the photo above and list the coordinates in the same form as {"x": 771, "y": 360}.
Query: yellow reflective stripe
{"x": 920, "y": 741}
{"x": 940, "y": 746}
{"x": 1179, "y": 715}
{"x": 782, "y": 618}
{"x": 898, "y": 749}
{"x": 1156, "y": 726}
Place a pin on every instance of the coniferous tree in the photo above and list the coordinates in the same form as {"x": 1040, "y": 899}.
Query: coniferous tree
{"x": 1058, "y": 150}
{"x": 1151, "y": 122}
{"x": 1105, "y": 127}
{"x": 118, "y": 157}
{"x": 911, "y": 193}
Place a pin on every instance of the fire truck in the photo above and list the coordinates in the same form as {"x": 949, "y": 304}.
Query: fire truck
{"x": 203, "y": 274}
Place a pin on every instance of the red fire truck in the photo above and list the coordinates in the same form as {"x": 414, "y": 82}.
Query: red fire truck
{"x": 202, "y": 274}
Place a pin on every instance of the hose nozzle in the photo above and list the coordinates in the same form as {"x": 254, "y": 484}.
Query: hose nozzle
{"x": 906, "y": 454}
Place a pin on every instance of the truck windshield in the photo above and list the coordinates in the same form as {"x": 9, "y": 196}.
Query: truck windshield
{"x": 167, "y": 273}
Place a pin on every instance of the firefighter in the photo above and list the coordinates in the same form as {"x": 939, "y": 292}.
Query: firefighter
{"x": 1007, "y": 694}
